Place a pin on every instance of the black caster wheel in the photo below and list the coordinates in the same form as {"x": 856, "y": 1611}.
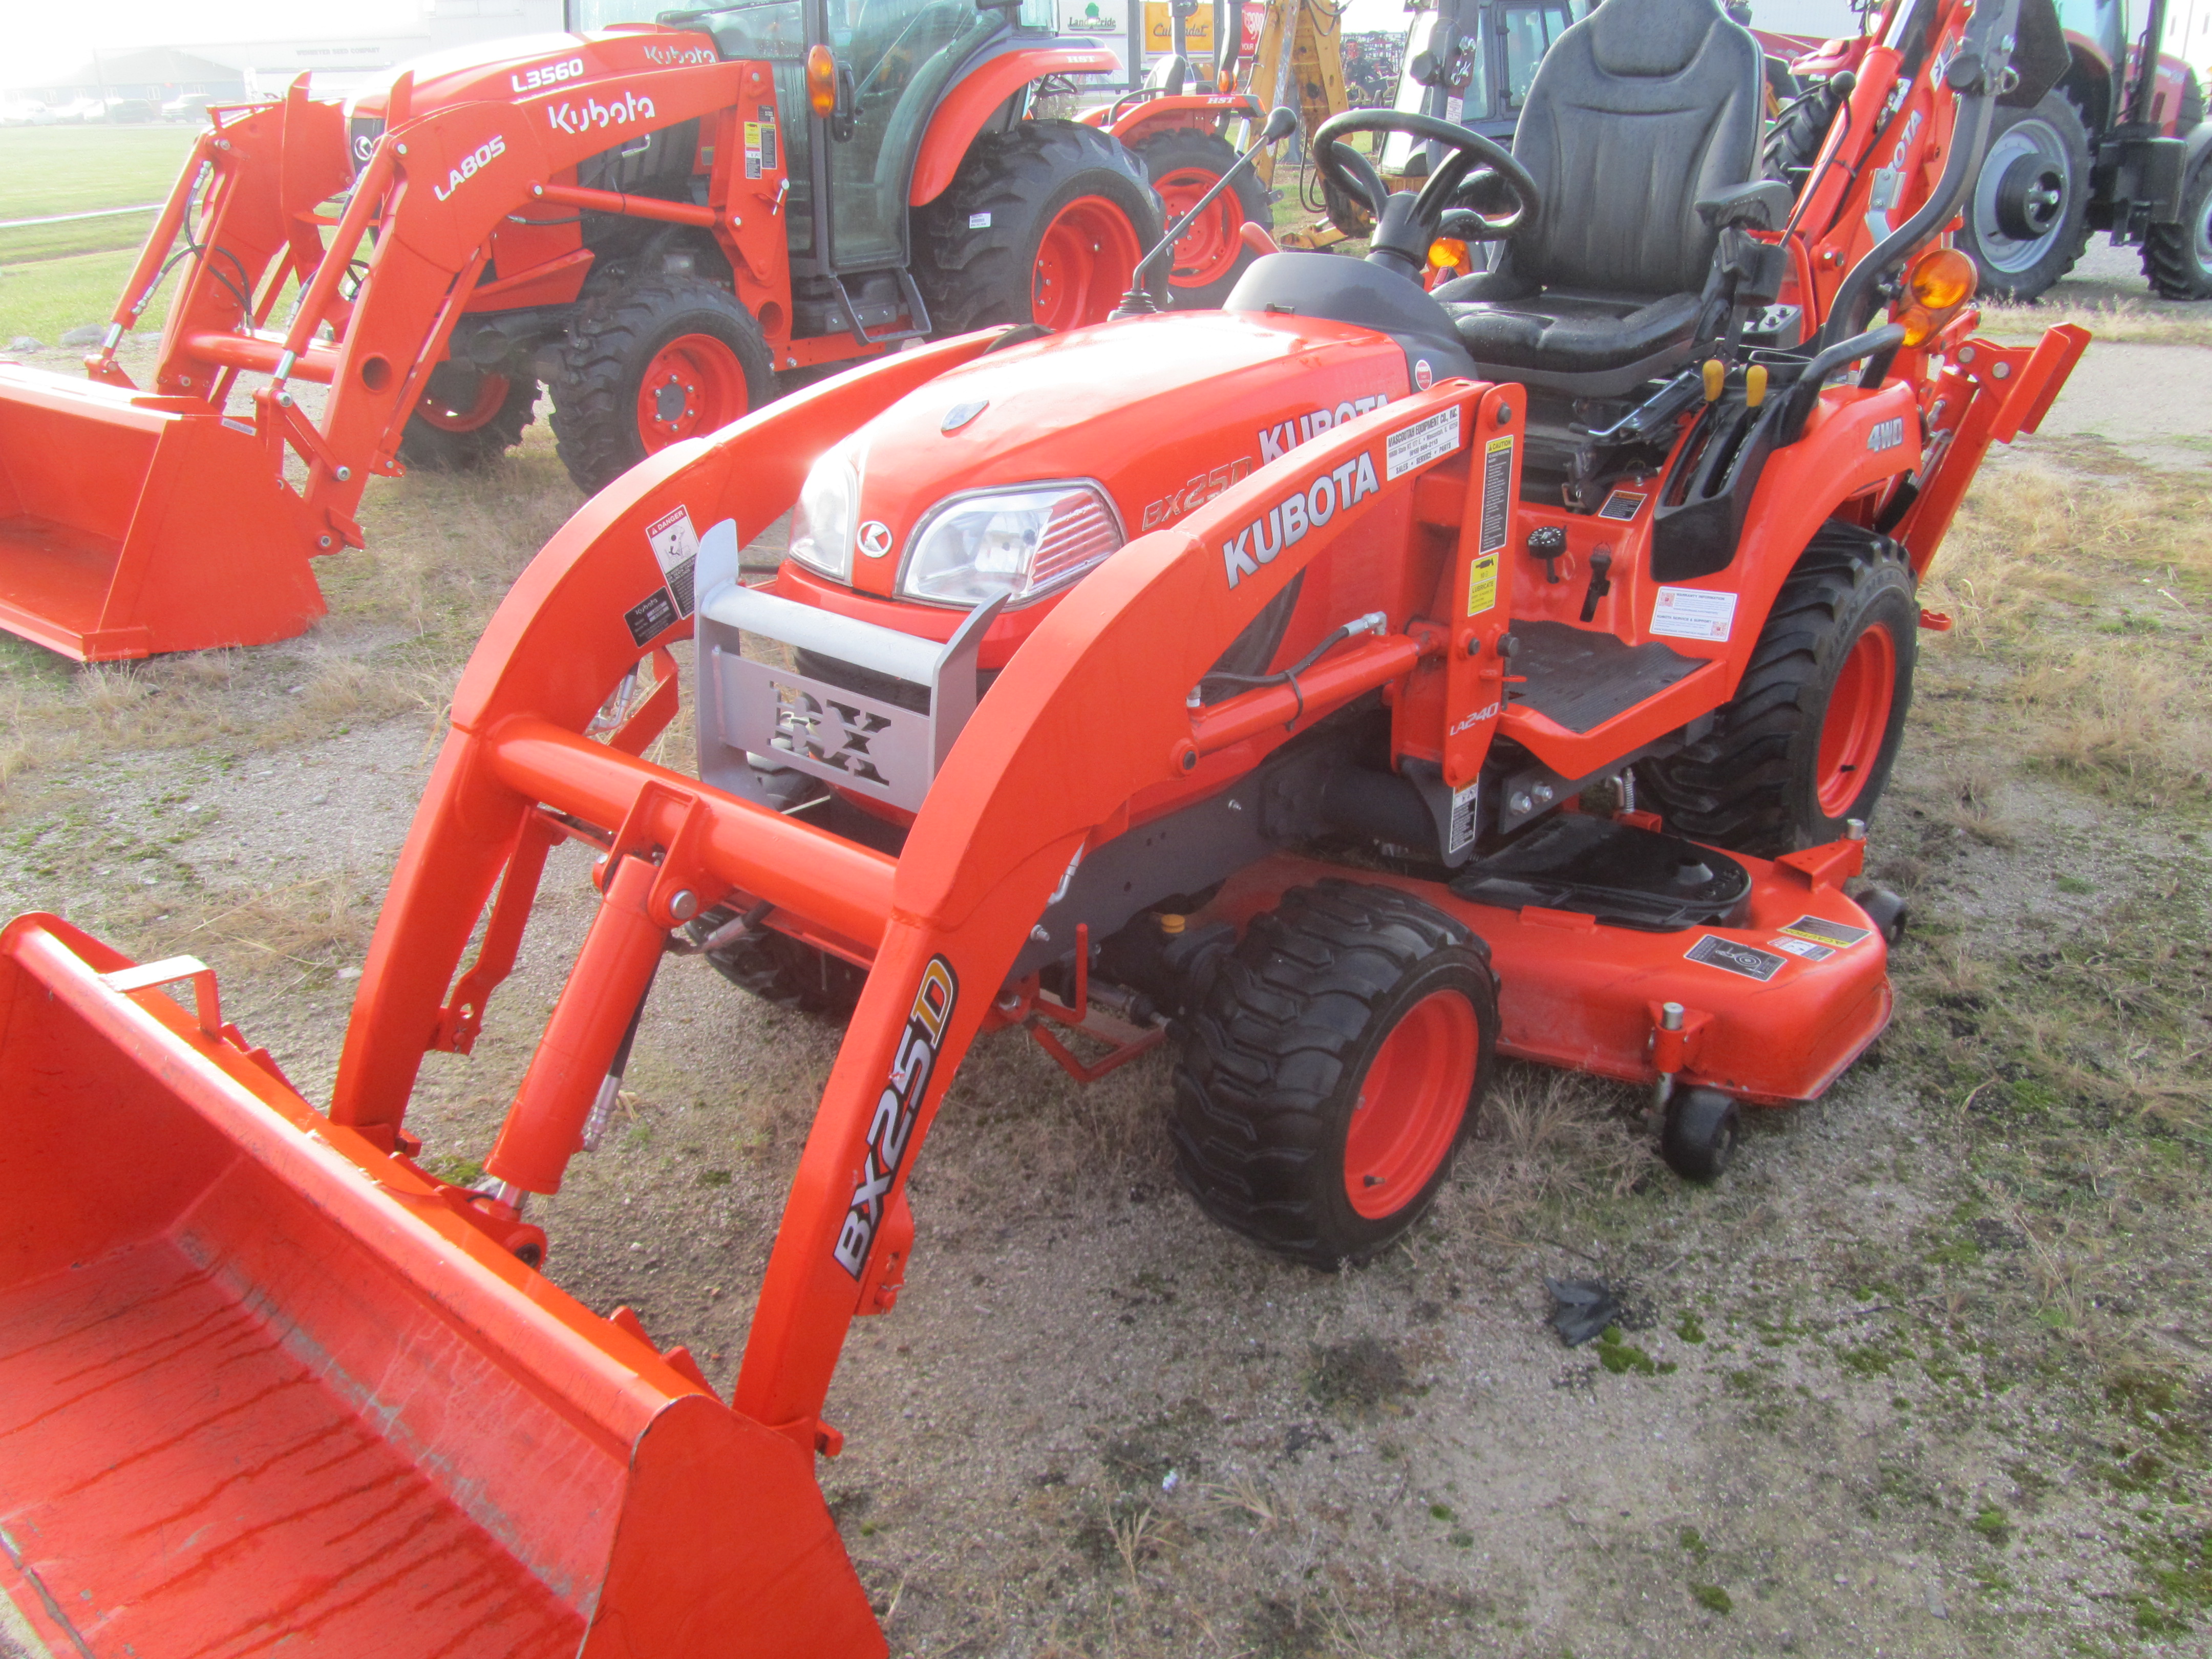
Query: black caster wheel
{"x": 1702, "y": 1128}
{"x": 1888, "y": 911}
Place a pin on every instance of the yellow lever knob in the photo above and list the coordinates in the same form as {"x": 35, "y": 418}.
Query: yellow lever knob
{"x": 1716, "y": 377}
{"x": 1754, "y": 386}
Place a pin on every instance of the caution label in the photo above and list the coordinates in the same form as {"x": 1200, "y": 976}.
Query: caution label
{"x": 1821, "y": 930}
{"x": 1497, "y": 492}
{"x": 1731, "y": 958}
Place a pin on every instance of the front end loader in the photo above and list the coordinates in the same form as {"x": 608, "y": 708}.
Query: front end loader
{"x": 1281, "y": 683}
{"x": 655, "y": 222}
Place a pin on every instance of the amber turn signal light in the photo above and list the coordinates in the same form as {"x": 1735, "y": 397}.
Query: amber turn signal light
{"x": 821, "y": 81}
{"x": 1447, "y": 252}
{"x": 1940, "y": 282}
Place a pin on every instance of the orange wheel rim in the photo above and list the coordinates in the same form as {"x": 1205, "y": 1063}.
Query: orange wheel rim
{"x": 1857, "y": 719}
{"x": 695, "y": 384}
{"x": 1084, "y": 263}
{"x": 449, "y": 415}
{"x": 1411, "y": 1103}
{"x": 1209, "y": 245}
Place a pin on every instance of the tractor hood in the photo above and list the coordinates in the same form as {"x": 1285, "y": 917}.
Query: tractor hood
{"x": 1154, "y": 416}
{"x": 522, "y": 65}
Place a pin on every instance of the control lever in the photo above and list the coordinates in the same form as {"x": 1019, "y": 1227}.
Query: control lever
{"x": 1549, "y": 543}
{"x": 1601, "y": 583}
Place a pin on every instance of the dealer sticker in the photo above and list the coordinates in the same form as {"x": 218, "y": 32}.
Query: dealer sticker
{"x": 1422, "y": 442}
{"x": 1693, "y": 613}
{"x": 1729, "y": 957}
{"x": 1821, "y": 930}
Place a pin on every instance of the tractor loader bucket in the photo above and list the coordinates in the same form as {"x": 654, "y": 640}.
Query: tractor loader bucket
{"x": 132, "y": 523}
{"x": 269, "y": 1391}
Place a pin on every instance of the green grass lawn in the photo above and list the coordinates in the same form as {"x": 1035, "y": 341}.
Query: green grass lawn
{"x": 54, "y": 277}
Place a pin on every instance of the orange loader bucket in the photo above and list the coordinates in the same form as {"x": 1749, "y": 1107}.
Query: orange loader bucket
{"x": 132, "y": 523}
{"x": 265, "y": 1390}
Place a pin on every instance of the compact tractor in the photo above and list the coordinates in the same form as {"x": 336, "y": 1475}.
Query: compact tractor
{"x": 1349, "y": 687}
{"x": 655, "y": 221}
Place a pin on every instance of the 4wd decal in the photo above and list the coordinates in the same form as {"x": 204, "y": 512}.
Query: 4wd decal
{"x": 539, "y": 76}
{"x": 475, "y": 161}
{"x": 1887, "y": 435}
{"x": 1289, "y": 518}
{"x": 884, "y": 1146}
{"x": 1202, "y": 488}
{"x": 1279, "y": 439}
{"x": 626, "y": 107}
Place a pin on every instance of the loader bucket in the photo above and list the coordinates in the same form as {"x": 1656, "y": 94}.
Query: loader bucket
{"x": 131, "y": 523}
{"x": 266, "y": 1391}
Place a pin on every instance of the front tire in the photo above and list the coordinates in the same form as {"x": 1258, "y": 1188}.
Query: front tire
{"x": 2178, "y": 257}
{"x": 1807, "y": 742}
{"x": 1044, "y": 223}
{"x": 1331, "y": 1069}
{"x": 2026, "y": 219}
{"x": 468, "y": 417}
{"x": 779, "y": 969}
{"x": 1210, "y": 254}
{"x": 650, "y": 364}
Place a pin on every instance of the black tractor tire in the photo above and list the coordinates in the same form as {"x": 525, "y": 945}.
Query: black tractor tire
{"x": 1770, "y": 777}
{"x": 2178, "y": 257}
{"x": 1284, "y": 1045}
{"x": 779, "y": 969}
{"x": 1182, "y": 163}
{"x": 1699, "y": 1136}
{"x": 1793, "y": 143}
{"x": 977, "y": 246}
{"x": 623, "y": 334}
{"x": 459, "y": 427}
{"x": 2026, "y": 219}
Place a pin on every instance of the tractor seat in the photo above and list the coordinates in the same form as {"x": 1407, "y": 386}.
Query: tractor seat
{"x": 1636, "y": 114}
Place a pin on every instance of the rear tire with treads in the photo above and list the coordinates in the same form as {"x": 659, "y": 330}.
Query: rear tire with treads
{"x": 468, "y": 417}
{"x": 779, "y": 969}
{"x": 1331, "y": 1068}
{"x": 1808, "y": 739}
{"x": 1183, "y": 164}
{"x": 2178, "y": 257}
{"x": 1044, "y": 223}
{"x": 2026, "y": 219}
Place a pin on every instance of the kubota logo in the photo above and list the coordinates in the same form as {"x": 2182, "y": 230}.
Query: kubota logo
{"x": 626, "y": 107}
{"x": 875, "y": 539}
{"x": 670, "y": 56}
{"x": 1279, "y": 439}
{"x": 884, "y": 1148}
{"x": 1302, "y": 510}
{"x": 474, "y": 162}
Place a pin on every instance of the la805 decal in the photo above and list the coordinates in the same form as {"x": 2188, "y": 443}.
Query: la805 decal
{"x": 892, "y": 1124}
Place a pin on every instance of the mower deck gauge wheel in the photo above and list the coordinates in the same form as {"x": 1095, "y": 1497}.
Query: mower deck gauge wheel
{"x": 1700, "y": 1139}
{"x": 1331, "y": 1070}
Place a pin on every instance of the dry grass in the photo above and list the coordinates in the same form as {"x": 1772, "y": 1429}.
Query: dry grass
{"x": 1548, "y": 1138}
{"x": 2148, "y": 322}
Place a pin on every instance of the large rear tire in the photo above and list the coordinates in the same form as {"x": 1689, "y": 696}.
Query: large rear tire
{"x": 2026, "y": 219}
{"x": 1210, "y": 254}
{"x": 650, "y": 364}
{"x": 1793, "y": 143}
{"x": 2178, "y": 257}
{"x": 1807, "y": 742}
{"x": 1044, "y": 223}
{"x": 468, "y": 417}
{"x": 1330, "y": 1071}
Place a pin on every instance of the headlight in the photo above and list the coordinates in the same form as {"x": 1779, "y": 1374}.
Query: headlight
{"x": 1022, "y": 543}
{"x": 822, "y": 528}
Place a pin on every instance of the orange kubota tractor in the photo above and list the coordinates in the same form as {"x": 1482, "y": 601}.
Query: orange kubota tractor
{"x": 1243, "y": 679}
{"x": 656, "y": 221}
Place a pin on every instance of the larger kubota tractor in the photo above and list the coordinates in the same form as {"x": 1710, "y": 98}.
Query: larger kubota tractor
{"x": 1241, "y": 679}
{"x": 655, "y": 220}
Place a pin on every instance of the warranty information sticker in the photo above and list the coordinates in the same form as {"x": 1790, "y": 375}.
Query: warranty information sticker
{"x": 1423, "y": 441}
{"x": 1693, "y": 613}
{"x": 1730, "y": 957}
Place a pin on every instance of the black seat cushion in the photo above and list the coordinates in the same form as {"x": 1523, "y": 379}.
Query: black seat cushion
{"x": 1634, "y": 114}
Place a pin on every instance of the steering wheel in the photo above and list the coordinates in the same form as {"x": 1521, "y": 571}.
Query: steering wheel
{"x": 1404, "y": 223}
